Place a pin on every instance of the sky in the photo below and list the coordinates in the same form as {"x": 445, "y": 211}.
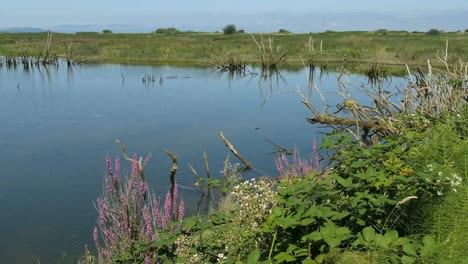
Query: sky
{"x": 252, "y": 15}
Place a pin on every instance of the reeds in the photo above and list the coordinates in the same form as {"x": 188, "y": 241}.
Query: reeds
{"x": 270, "y": 56}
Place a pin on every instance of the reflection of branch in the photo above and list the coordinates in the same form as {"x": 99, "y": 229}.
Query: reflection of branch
{"x": 280, "y": 148}
{"x": 208, "y": 173}
{"x": 234, "y": 151}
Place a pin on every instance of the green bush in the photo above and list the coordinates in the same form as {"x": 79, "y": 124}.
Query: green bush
{"x": 284, "y": 31}
{"x": 166, "y": 31}
{"x": 434, "y": 32}
{"x": 229, "y": 29}
{"x": 107, "y": 31}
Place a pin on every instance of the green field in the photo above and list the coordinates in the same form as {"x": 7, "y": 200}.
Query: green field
{"x": 392, "y": 47}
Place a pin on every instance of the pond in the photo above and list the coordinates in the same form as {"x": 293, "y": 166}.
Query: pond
{"x": 56, "y": 127}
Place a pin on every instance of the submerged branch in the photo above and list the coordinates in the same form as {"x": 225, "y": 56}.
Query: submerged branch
{"x": 234, "y": 151}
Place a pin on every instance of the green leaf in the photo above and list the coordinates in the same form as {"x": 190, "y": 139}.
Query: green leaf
{"x": 314, "y": 236}
{"x": 308, "y": 261}
{"x": 307, "y": 221}
{"x": 381, "y": 242}
{"x": 391, "y": 236}
{"x": 368, "y": 233}
{"x": 407, "y": 260}
{"x": 190, "y": 222}
{"x": 253, "y": 256}
{"x": 428, "y": 245}
{"x": 284, "y": 257}
{"x": 409, "y": 249}
{"x": 344, "y": 182}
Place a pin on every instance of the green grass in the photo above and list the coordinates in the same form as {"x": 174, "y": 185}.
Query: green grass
{"x": 392, "y": 47}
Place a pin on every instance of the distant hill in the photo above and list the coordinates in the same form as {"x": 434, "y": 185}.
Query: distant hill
{"x": 22, "y": 30}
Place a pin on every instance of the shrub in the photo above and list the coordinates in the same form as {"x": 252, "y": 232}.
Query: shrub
{"x": 107, "y": 31}
{"x": 434, "y": 32}
{"x": 241, "y": 31}
{"x": 167, "y": 31}
{"x": 381, "y": 32}
{"x": 229, "y": 29}
{"x": 466, "y": 30}
{"x": 284, "y": 31}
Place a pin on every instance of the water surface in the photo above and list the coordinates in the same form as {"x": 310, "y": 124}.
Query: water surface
{"x": 56, "y": 127}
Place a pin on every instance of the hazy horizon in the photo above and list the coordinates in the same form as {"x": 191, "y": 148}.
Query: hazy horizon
{"x": 258, "y": 16}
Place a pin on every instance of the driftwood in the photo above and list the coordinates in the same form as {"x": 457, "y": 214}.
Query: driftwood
{"x": 173, "y": 168}
{"x": 234, "y": 151}
{"x": 336, "y": 120}
{"x": 197, "y": 178}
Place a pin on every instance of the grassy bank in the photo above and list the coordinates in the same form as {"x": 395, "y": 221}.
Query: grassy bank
{"x": 392, "y": 47}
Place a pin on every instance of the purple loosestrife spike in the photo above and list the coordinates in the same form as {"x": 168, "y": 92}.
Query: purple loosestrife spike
{"x": 167, "y": 211}
{"x": 285, "y": 160}
{"x": 156, "y": 213}
{"x": 96, "y": 241}
{"x": 109, "y": 165}
{"x": 117, "y": 167}
{"x": 181, "y": 209}
{"x": 109, "y": 186}
{"x": 147, "y": 220}
{"x": 301, "y": 167}
{"x": 135, "y": 166}
{"x": 315, "y": 155}
{"x": 147, "y": 159}
{"x": 174, "y": 201}
{"x": 305, "y": 168}
{"x": 143, "y": 188}
{"x": 279, "y": 166}
{"x": 101, "y": 207}
{"x": 147, "y": 260}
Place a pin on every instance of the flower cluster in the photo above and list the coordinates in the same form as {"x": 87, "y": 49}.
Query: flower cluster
{"x": 128, "y": 213}
{"x": 253, "y": 200}
{"x": 298, "y": 167}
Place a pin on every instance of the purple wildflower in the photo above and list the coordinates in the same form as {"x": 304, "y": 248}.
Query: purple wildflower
{"x": 147, "y": 219}
{"x": 315, "y": 155}
{"x": 135, "y": 166}
{"x": 109, "y": 165}
{"x": 117, "y": 167}
{"x": 156, "y": 214}
{"x": 143, "y": 188}
{"x": 174, "y": 200}
{"x": 279, "y": 166}
{"x": 147, "y": 260}
{"x": 101, "y": 208}
{"x": 167, "y": 211}
{"x": 285, "y": 160}
{"x": 96, "y": 241}
{"x": 109, "y": 186}
{"x": 148, "y": 157}
{"x": 181, "y": 209}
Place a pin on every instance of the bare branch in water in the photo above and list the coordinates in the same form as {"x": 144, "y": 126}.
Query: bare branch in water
{"x": 234, "y": 151}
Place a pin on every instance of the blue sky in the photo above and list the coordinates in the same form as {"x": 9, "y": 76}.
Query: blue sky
{"x": 249, "y": 14}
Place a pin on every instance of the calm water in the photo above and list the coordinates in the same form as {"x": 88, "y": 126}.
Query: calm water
{"x": 57, "y": 126}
